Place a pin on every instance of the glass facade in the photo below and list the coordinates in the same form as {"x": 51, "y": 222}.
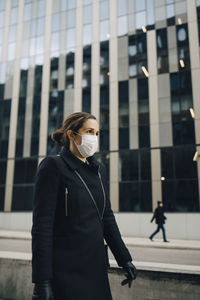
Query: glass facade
{"x": 48, "y": 60}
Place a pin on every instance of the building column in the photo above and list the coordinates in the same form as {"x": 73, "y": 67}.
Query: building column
{"x": 28, "y": 113}
{"x": 78, "y": 58}
{"x": 154, "y": 117}
{"x": 95, "y": 92}
{"x": 14, "y": 111}
{"x": 113, "y": 108}
{"x": 45, "y": 85}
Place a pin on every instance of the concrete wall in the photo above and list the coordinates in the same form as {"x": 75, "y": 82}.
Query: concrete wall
{"x": 15, "y": 283}
{"x": 178, "y": 226}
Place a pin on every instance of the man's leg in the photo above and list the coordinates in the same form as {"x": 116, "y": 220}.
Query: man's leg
{"x": 164, "y": 234}
{"x": 155, "y": 232}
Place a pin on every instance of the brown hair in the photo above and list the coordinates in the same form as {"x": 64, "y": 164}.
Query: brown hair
{"x": 73, "y": 122}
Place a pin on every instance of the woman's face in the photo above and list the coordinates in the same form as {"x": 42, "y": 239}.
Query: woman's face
{"x": 90, "y": 127}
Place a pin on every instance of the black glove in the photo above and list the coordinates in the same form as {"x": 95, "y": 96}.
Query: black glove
{"x": 43, "y": 291}
{"x": 131, "y": 271}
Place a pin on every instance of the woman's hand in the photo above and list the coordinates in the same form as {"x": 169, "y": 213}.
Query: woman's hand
{"x": 43, "y": 291}
{"x": 131, "y": 273}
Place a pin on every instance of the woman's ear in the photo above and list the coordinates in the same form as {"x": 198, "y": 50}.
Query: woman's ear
{"x": 70, "y": 135}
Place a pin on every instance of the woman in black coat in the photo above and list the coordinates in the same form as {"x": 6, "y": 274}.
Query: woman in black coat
{"x": 71, "y": 218}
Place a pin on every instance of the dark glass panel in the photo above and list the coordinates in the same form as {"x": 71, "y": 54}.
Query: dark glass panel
{"x": 123, "y": 115}
{"x": 56, "y": 108}
{"x": 183, "y": 46}
{"x": 2, "y": 194}
{"x": 181, "y": 102}
{"x": 20, "y": 127}
{"x": 69, "y": 83}
{"x": 167, "y": 163}
{"x": 5, "y": 107}
{"x": 137, "y": 54}
{"x": 25, "y": 170}
{"x": 3, "y": 166}
{"x": 144, "y": 164}
{"x": 104, "y": 117}
{"x": 86, "y": 99}
{"x": 184, "y": 165}
{"x": 104, "y": 63}
{"x": 36, "y": 111}
{"x": 22, "y": 199}
{"x": 129, "y": 165}
{"x": 2, "y": 88}
{"x": 162, "y": 51}
{"x": 86, "y": 80}
{"x": 143, "y": 112}
{"x": 180, "y": 195}
{"x": 135, "y": 196}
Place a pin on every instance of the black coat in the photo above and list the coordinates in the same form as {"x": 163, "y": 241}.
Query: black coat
{"x": 159, "y": 215}
{"x": 67, "y": 234}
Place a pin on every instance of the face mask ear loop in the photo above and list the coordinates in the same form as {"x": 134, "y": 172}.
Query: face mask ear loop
{"x": 81, "y": 139}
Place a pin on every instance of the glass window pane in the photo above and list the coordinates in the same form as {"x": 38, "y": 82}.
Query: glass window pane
{"x": 71, "y": 4}
{"x": 141, "y": 20}
{"x": 41, "y": 8}
{"x": 71, "y": 18}
{"x": 55, "y": 41}
{"x": 1, "y": 36}
{"x": 27, "y": 12}
{"x": 150, "y": 12}
{"x": 14, "y": 3}
{"x": 2, "y": 4}
{"x": 39, "y": 45}
{"x": 2, "y": 16}
{"x": 70, "y": 38}
{"x": 122, "y": 25}
{"x": 104, "y": 30}
{"x": 87, "y": 34}
{"x": 104, "y": 10}
{"x": 140, "y": 5}
{"x": 122, "y": 7}
{"x": 63, "y": 5}
{"x": 12, "y": 33}
{"x": 87, "y": 2}
{"x": 55, "y": 26}
{"x": 40, "y": 26}
{"x": 170, "y": 11}
{"x": 14, "y": 16}
{"x": 11, "y": 51}
{"x": 87, "y": 14}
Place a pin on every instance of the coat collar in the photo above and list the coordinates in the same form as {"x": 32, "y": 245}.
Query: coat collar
{"x": 76, "y": 164}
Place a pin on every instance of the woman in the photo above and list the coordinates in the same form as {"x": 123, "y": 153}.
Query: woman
{"x": 71, "y": 217}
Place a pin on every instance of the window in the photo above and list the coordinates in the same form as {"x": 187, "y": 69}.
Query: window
{"x": 181, "y": 101}
{"x": 123, "y": 115}
{"x": 183, "y": 47}
{"x": 143, "y": 113}
{"x": 135, "y": 180}
{"x": 137, "y": 49}
{"x": 162, "y": 51}
{"x": 5, "y": 107}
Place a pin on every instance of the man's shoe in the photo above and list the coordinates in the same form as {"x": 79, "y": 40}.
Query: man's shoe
{"x": 166, "y": 241}
{"x": 151, "y": 239}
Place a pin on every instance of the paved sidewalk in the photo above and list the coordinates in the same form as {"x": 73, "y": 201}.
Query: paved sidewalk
{"x": 129, "y": 241}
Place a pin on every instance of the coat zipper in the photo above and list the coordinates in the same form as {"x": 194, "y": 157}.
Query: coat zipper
{"x": 87, "y": 188}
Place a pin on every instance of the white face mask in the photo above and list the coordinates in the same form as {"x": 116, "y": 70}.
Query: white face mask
{"x": 89, "y": 145}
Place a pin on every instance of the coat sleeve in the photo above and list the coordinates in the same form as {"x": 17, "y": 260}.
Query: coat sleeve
{"x": 111, "y": 232}
{"x": 44, "y": 206}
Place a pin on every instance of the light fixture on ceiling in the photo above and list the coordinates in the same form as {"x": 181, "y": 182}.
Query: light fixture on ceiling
{"x": 182, "y": 63}
{"x": 192, "y": 113}
{"x": 162, "y": 178}
{"x": 146, "y": 73}
{"x": 108, "y": 73}
{"x": 144, "y": 29}
{"x": 179, "y": 21}
{"x": 196, "y": 156}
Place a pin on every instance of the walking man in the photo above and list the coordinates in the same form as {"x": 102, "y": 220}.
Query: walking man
{"x": 160, "y": 221}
